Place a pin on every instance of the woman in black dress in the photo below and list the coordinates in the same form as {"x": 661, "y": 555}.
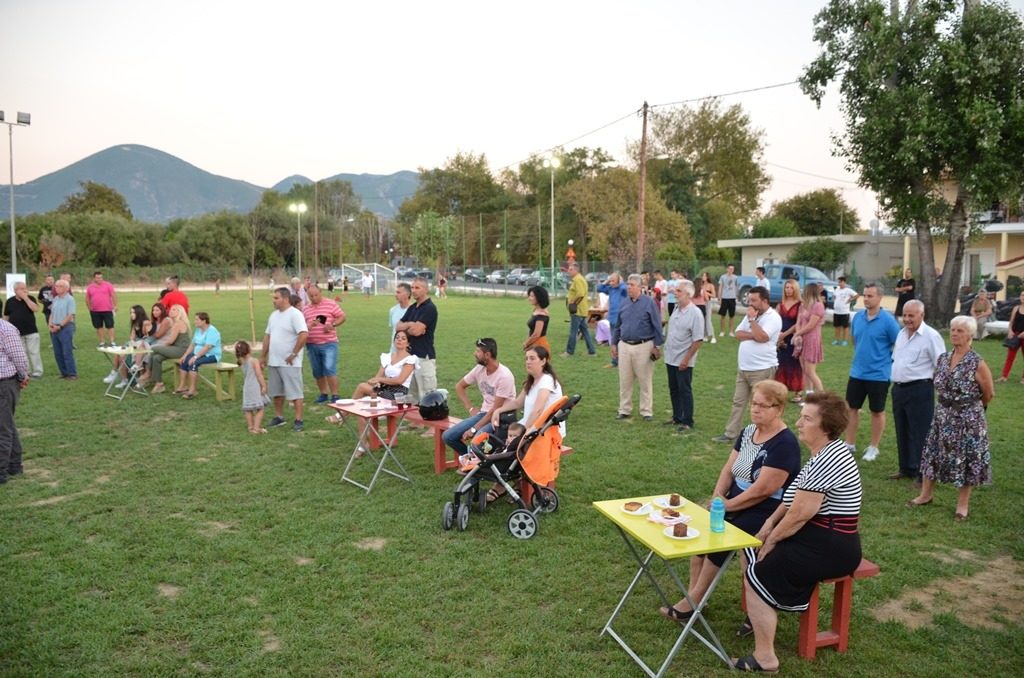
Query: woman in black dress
{"x": 539, "y": 319}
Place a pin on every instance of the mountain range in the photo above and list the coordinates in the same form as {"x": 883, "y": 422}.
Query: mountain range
{"x": 160, "y": 187}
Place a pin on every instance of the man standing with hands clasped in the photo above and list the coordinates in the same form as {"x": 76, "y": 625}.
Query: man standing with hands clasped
{"x": 13, "y": 378}
{"x": 636, "y": 342}
{"x": 282, "y": 357}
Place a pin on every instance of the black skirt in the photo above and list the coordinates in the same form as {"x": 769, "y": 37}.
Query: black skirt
{"x": 389, "y": 391}
{"x": 787, "y": 577}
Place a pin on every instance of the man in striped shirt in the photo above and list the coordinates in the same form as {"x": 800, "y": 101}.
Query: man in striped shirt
{"x": 13, "y": 378}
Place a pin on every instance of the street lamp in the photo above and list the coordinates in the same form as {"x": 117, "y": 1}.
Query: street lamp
{"x": 23, "y": 120}
{"x": 552, "y": 162}
{"x": 299, "y": 208}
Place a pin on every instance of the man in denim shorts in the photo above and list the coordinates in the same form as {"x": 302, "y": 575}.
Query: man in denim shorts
{"x": 323, "y": 316}
{"x": 282, "y": 356}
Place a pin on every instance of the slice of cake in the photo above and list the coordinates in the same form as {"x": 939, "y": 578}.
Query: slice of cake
{"x": 680, "y": 530}
{"x": 669, "y": 513}
{"x": 632, "y": 506}
{"x": 675, "y": 500}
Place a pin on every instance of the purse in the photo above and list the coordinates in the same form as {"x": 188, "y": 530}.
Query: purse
{"x": 1012, "y": 342}
{"x": 573, "y": 307}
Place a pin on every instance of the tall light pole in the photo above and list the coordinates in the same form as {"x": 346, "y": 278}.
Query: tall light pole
{"x": 552, "y": 162}
{"x": 298, "y": 208}
{"x": 23, "y": 120}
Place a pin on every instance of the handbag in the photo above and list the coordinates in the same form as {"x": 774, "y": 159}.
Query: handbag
{"x": 572, "y": 307}
{"x": 1012, "y": 342}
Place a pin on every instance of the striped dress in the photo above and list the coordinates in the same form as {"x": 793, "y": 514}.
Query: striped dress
{"x": 826, "y": 546}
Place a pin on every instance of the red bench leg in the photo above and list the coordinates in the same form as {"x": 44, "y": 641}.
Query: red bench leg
{"x": 841, "y": 609}
{"x": 808, "y": 646}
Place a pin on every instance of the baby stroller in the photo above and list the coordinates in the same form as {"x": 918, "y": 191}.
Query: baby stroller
{"x": 535, "y": 454}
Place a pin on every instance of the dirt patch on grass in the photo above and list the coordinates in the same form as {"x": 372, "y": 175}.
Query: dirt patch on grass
{"x": 169, "y": 591}
{"x": 169, "y": 415}
{"x": 372, "y": 544}
{"x": 56, "y": 499}
{"x": 271, "y": 643}
{"x": 251, "y": 600}
{"x": 202, "y": 460}
{"x": 102, "y": 480}
{"x": 302, "y": 560}
{"x": 32, "y": 472}
{"x": 26, "y": 554}
{"x": 213, "y": 528}
{"x": 991, "y": 599}
{"x": 27, "y": 432}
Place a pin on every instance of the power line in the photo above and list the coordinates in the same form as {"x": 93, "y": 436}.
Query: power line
{"x": 811, "y": 174}
{"x": 726, "y": 94}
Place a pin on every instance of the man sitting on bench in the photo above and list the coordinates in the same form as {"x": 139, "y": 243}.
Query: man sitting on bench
{"x": 496, "y": 383}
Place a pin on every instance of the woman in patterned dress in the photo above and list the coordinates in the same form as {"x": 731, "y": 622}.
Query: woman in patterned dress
{"x": 808, "y": 337}
{"x": 956, "y": 451}
{"x": 789, "y": 372}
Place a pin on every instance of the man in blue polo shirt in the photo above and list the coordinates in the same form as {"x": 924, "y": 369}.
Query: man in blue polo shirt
{"x": 616, "y": 291}
{"x": 874, "y": 333}
{"x": 636, "y": 342}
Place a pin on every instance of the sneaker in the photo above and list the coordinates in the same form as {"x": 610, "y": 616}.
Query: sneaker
{"x": 564, "y": 354}
{"x": 335, "y": 397}
{"x": 721, "y": 334}
{"x": 275, "y": 422}
{"x": 851, "y": 448}
{"x": 109, "y": 379}
{"x": 321, "y": 399}
{"x": 732, "y": 334}
{"x": 297, "y": 426}
{"x": 122, "y": 384}
{"x": 835, "y": 342}
{"x": 714, "y": 340}
{"x": 870, "y": 454}
{"x": 844, "y": 342}
{"x": 723, "y": 439}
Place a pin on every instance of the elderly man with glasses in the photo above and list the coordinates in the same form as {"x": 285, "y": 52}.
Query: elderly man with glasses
{"x": 636, "y": 342}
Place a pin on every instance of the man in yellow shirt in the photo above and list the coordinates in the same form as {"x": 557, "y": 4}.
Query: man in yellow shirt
{"x": 578, "y": 304}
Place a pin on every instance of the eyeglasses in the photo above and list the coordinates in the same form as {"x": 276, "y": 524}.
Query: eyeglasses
{"x": 763, "y": 406}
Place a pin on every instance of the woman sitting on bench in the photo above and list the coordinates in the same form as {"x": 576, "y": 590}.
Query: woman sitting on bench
{"x": 204, "y": 349}
{"x": 393, "y": 377}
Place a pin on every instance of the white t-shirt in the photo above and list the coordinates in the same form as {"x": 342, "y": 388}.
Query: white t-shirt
{"x": 529, "y": 415}
{"x": 755, "y": 355}
{"x": 392, "y": 371}
{"x": 765, "y": 283}
{"x": 284, "y": 328}
{"x": 841, "y": 300}
{"x": 501, "y": 384}
{"x": 367, "y": 282}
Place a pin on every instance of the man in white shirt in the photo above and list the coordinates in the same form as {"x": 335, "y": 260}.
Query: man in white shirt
{"x": 727, "y": 290}
{"x": 914, "y": 357}
{"x": 762, "y": 281}
{"x": 841, "y": 300}
{"x": 758, "y": 334}
{"x": 283, "y": 342}
{"x": 366, "y": 282}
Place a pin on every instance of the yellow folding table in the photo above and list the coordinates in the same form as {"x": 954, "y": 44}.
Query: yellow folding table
{"x": 651, "y": 536}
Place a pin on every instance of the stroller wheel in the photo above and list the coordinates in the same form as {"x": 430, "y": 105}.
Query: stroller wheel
{"x": 462, "y": 517}
{"x": 522, "y": 524}
{"x": 448, "y": 516}
{"x": 545, "y": 500}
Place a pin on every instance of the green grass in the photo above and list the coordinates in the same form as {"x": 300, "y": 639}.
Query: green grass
{"x": 162, "y": 491}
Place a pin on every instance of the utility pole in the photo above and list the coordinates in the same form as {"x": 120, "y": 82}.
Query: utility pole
{"x": 643, "y": 194}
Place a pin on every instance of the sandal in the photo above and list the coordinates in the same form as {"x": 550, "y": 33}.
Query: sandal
{"x": 188, "y": 396}
{"x": 158, "y": 388}
{"x": 750, "y": 664}
{"x": 257, "y": 430}
{"x": 335, "y": 419}
{"x": 960, "y": 517}
{"x": 745, "y": 629}
{"x": 675, "y": 614}
{"x": 495, "y": 493}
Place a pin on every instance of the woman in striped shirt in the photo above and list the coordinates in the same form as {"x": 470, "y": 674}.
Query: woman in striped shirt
{"x": 812, "y": 536}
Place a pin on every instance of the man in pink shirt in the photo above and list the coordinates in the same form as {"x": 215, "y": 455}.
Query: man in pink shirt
{"x": 323, "y": 316}
{"x": 101, "y": 300}
{"x": 496, "y": 384}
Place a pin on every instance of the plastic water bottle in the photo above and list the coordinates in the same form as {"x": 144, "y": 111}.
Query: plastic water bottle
{"x": 718, "y": 515}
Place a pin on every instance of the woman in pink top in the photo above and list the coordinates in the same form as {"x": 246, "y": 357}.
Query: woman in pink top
{"x": 808, "y": 336}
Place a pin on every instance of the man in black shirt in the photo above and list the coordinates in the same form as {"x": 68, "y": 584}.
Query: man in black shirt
{"x": 20, "y": 310}
{"x": 46, "y": 297}
{"x": 419, "y": 322}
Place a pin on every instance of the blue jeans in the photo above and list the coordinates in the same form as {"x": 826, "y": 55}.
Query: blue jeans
{"x": 193, "y": 365}
{"x": 323, "y": 359}
{"x": 453, "y": 436}
{"x": 579, "y": 324}
{"x": 63, "y": 345}
{"x": 680, "y": 392}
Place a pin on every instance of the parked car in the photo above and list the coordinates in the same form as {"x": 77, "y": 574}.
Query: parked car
{"x": 474, "y": 275}
{"x": 425, "y": 273}
{"x": 496, "y": 277}
{"x": 543, "y": 278}
{"x": 407, "y": 274}
{"x": 778, "y": 274}
{"x": 596, "y": 278}
{"x": 518, "y": 276}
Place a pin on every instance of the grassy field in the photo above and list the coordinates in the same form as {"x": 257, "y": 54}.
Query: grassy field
{"x": 157, "y": 537}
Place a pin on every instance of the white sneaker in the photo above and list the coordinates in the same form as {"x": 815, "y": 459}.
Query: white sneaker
{"x": 123, "y": 383}
{"x": 851, "y": 448}
{"x": 732, "y": 334}
{"x": 109, "y": 379}
{"x": 870, "y": 454}
{"x": 714, "y": 340}
{"x": 721, "y": 334}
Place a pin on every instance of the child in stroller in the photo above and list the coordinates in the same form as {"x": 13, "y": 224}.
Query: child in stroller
{"x": 533, "y": 452}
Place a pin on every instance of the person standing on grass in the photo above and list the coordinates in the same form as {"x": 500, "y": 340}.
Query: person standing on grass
{"x": 283, "y": 341}
{"x": 1014, "y": 329}
{"x": 758, "y": 334}
{"x": 254, "y": 388}
{"x": 684, "y": 338}
{"x": 578, "y": 304}
{"x": 905, "y": 289}
{"x": 728, "y": 288}
{"x": 173, "y": 296}
{"x": 874, "y": 334}
{"x": 807, "y": 339}
{"x": 298, "y": 290}
{"x": 419, "y": 324}
{"x": 636, "y": 342}
{"x": 366, "y": 283}
{"x": 842, "y": 299}
{"x": 101, "y": 300}
{"x": 761, "y": 280}
{"x": 616, "y": 291}
{"x": 914, "y": 358}
{"x": 46, "y": 295}
{"x": 323, "y": 316}
{"x": 62, "y": 330}
{"x": 20, "y": 310}
{"x": 13, "y": 378}
{"x": 403, "y": 297}
{"x": 496, "y": 384}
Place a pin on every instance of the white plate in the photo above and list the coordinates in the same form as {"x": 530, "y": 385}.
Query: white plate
{"x": 662, "y": 502}
{"x": 692, "y": 533}
{"x": 656, "y": 517}
{"x": 344, "y": 401}
{"x": 642, "y": 511}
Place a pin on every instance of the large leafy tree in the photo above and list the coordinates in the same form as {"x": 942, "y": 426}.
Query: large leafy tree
{"x": 933, "y": 96}
{"x": 463, "y": 186}
{"x": 95, "y": 198}
{"x": 820, "y": 212}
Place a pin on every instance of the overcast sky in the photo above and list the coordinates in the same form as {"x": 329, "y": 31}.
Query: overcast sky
{"x": 261, "y": 90}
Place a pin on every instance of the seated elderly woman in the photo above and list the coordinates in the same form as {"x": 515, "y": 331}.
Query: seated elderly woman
{"x": 393, "y": 377}
{"x": 204, "y": 349}
{"x": 761, "y": 465}
{"x": 812, "y": 536}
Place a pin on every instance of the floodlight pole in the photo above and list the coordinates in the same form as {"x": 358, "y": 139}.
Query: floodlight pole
{"x": 22, "y": 120}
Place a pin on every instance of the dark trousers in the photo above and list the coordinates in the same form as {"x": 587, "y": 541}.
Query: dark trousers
{"x": 680, "y": 392}
{"x": 63, "y": 350}
{"x": 579, "y": 326}
{"x": 10, "y": 443}
{"x": 912, "y": 408}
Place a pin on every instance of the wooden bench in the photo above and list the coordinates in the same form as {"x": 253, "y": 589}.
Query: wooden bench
{"x": 839, "y": 633}
{"x": 220, "y": 371}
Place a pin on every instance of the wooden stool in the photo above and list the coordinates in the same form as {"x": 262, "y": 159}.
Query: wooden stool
{"x": 839, "y": 633}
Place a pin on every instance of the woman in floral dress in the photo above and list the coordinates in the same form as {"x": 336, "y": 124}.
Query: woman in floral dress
{"x": 956, "y": 451}
{"x": 807, "y": 339}
{"x": 789, "y": 372}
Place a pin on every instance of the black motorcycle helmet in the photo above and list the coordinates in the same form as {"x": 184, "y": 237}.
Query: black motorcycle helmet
{"x": 434, "y": 406}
